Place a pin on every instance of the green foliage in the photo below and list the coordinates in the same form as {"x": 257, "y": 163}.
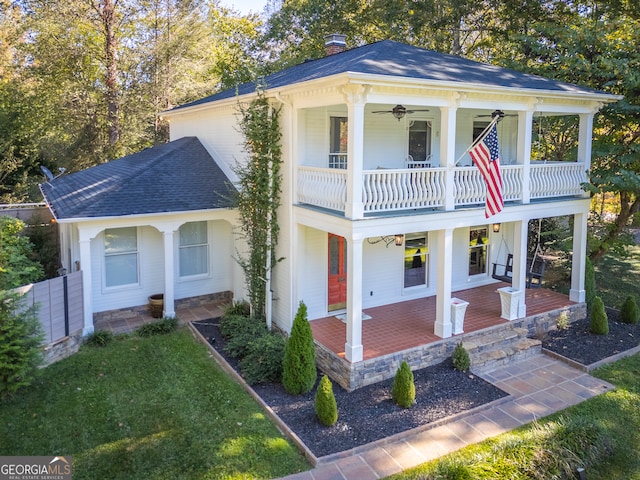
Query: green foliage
{"x": 239, "y": 331}
{"x": 599, "y": 323}
{"x": 161, "y": 327}
{"x": 263, "y": 359}
{"x": 17, "y": 267}
{"x": 403, "y": 392}
{"x": 589, "y": 283}
{"x": 563, "y": 320}
{"x": 20, "y": 345}
{"x": 460, "y": 357}
{"x": 299, "y": 366}
{"x": 260, "y": 182}
{"x": 629, "y": 311}
{"x": 325, "y": 402}
{"x": 99, "y": 338}
{"x": 240, "y": 307}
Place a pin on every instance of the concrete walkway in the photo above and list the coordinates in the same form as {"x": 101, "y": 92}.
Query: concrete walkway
{"x": 537, "y": 387}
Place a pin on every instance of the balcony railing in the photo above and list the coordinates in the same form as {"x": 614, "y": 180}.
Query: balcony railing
{"x": 390, "y": 190}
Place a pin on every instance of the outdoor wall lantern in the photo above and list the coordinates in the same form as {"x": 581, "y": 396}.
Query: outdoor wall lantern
{"x": 496, "y": 228}
{"x": 399, "y": 239}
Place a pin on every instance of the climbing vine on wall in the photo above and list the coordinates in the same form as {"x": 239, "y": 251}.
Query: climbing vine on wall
{"x": 260, "y": 182}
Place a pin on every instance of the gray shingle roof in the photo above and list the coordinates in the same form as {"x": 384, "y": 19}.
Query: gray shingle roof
{"x": 173, "y": 177}
{"x": 400, "y": 60}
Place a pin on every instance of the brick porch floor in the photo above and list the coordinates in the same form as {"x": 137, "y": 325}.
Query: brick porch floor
{"x": 400, "y": 326}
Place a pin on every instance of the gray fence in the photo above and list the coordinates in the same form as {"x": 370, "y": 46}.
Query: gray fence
{"x": 60, "y": 308}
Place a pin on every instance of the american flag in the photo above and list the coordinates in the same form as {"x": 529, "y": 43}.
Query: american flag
{"x": 486, "y": 156}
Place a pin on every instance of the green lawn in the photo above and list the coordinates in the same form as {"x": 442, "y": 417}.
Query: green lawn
{"x": 606, "y": 427}
{"x": 617, "y": 277}
{"x": 147, "y": 408}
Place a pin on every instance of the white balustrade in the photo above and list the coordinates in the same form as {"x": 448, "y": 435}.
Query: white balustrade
{"x": 387, "y": 190}
{"x": 558, "y": 179}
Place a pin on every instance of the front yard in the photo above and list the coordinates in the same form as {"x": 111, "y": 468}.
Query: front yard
{"x": 154, "y": 407}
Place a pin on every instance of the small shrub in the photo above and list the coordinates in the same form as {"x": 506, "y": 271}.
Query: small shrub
{"x": 299, "y": 365}
{"x": 161, "y": 327}
{"x": 629, "y": 312}
{"x": 563, "y": 320}
{"x": 325, "y": 403}
{"x": 589, "y": 283}
{"x": 263, "y": 360}
{"x": 241, "y": 331}
{"x": 99, "y": 338}
{"x": 20, "y": 340}
{"x": 241, "y": 308}
{"x": 599, "y": 323}
{"x": 404, "y": 389}
{"x": 460, "y": 357}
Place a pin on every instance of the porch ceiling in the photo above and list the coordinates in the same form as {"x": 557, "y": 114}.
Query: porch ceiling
{"x": 400, "y": 326}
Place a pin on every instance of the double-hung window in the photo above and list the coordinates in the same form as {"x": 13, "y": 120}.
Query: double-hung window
{"x": 121, "y": 256}
{"x": 194, "y": 249}
{"x": 338, "y": 139}
{"x": 416, "y": 259}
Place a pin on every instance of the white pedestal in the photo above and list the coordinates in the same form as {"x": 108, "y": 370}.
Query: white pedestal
{"x": 458, "y": 309}
{"x": 509, "y": 300}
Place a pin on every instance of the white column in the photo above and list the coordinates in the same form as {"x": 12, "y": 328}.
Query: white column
{"x": 169, "y": 280}
{"x": 353, "y": 348}
{"x": 356, "y": 98}
{"x": 443, "y": 327}
{"x": 525, "y": 129}
{"x": 577, "y": 292}
{"x": 584, "y": 139}
{"x": 448, "y": 152}
{"x": 87, "y": 287}
{"x": 520, "y": 266}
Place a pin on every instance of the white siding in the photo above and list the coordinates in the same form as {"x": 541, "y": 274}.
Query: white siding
{"x": 311, "y": 271}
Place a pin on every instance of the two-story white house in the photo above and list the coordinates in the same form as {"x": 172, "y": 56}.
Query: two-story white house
{"x": 381, "y": 204}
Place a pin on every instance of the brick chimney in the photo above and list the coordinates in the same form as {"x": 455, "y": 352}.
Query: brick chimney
{"x": 334, "y": 43}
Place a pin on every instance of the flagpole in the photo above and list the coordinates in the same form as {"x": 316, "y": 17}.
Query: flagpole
{"x": 481, "y": 137}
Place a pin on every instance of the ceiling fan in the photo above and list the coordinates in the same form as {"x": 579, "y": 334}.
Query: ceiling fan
{"x": 497, "y": 113}
{"x": 399, "y": 111}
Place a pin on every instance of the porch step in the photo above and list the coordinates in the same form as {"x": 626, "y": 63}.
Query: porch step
{"x": 501, "y": 347}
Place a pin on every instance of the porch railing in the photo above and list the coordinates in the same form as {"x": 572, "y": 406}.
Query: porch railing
{"x": 404, "y": 189}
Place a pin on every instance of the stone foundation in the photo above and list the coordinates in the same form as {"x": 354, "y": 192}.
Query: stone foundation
{"x": 352, "y": 376}
{"x": 63, "y": 348}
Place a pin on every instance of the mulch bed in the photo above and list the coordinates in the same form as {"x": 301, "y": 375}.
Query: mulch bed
{"x": 582, "y": 346}
{"x": 368, "y": 414}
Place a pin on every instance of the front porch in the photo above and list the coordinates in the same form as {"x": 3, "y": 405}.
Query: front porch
{"x": 405, "y": 331}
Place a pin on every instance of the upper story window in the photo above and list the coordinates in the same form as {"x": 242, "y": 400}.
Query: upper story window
{"x": 478, "y": 245}
{"x": 338, "y": 130}
{"x": 194, "y": 249}
{"x": 416, "y": 259}
{"x": 121, "y": 256}
{"x": 420, "y": 141}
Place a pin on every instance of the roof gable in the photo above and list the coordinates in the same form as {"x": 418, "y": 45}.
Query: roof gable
{"x": 401, "y": 60}
{"x": 172, "y": 177}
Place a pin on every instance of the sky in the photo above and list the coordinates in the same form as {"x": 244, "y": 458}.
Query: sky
{"x": 245, "y": 6}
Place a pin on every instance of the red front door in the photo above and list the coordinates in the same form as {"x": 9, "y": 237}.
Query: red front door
{"x": 337, "y": 272}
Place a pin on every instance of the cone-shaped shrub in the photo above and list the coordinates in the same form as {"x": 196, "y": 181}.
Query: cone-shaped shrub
{"x": 404, "y": 390}
{"x": 299, "y": 365}
{"x": 589, "y": 282}
{"x": 599, "y": 320}
{"x": 629, "y": 312}
{"x": 325, "y": 402}
{"x": 460, "y": 357}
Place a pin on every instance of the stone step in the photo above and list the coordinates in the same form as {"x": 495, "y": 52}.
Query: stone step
{"x": 494, "y": 340}
{"x": 519, "y": 349}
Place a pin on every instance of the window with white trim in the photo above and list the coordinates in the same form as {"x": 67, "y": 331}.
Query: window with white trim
{"x": 193, "y": 257}
{"x": 121, "y": 256}
{"x": 416, "y": 259}
{"x": 478, "y": 245}
{"x": 338, "y": 139}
